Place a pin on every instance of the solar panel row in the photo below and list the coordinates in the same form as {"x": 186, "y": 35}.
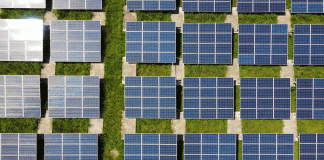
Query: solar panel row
{"x": 151, "y": 5}
{"x": 311, "y": 146}
{"x": 18, "y": 146}
{"x": 23, "y": 4}
{"x": 306, "y": 6}
{"x": 208, "y": 98}
{"x": 206, "y": 5}
{"x": 78, "y": 4}
{"x": 207, "y": 43}
{"x": 261, "y": 6}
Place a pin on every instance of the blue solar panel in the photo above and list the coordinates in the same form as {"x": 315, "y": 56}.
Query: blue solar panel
{"x": 268, "y": 146}
{"x": 265, "y": 98}
{"x": 207, "y": 43}
{"x": 261, "y": 6}
{"x": 210, "y": 146}
{"x": 151, "y": 42}
{"x": 151, "y": 4}
{"x": 150, "y": 146}
{"x": 18, "y": 146}
{"x": 311, "y": 146}
{"x": 263, "y": 44}
{"x": 150, "y": 97}
{"x": 309, "y": 45}
{"x": 208, "y": 98}
{"x": 304, "y": 6}
{"x": 206, "y": 5}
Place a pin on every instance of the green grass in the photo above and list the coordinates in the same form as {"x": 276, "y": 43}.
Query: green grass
{"x": 153, "y": 69}
{"x": 293, "y": 99}
{"x": 70, "y": 125}
{"x": 306, "y": 19}
{"x": 73, "y": 15}
{"x": 235, "y": 46}
{"x": 153, "y": 16}
{"x": 257, "y": 18}
{"x": 234, "y": 3}
{"x": 288, "y": 4}
{"x": 260, "y": 71}
{"x": 72, "y": 69}
{"x": 20, "y": 68}
{"x": 309, "y": 71}
{"x": 296, "y": 147}
{"x": 237, "y": 98}
{"x": 19, "y": 125}
{"x": 310, "y": 126}
{"x": 193, "y": 17}
{"x": 21, "y": 14}
{"x": 239, "y": 150}
{"x": 206, "y": 126}
{"x": 153, "y": 126}
{"x": 262, "y": 126}
{"x": 291, "y": 46}
{"x": 205, "y": 70}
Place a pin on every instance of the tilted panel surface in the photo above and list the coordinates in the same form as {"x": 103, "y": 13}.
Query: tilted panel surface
{"x": 311, "y": 146}
{"x": 258, "y": 6}
{"x": 307, "y": 6}
{"x": 22, "y": 4}
{"x": 78, "y": 4}
{"x": 20, "y": 146}
{"x": 206, "y": 5}
{"x": 265, "y": 98}
{"x": 207, "y": 43}
{"x": 147, "y": 5}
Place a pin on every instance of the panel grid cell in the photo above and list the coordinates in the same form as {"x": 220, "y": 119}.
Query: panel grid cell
{"x": 150, "y": 146}
{"x": 265, "y": 98}
{"x": 311, "y": 146}
{"x": 147, "y": 5}
{"x": 307, "y": 6}
{"x": 210, "y": 146}
{"x": 18, "y": 146}
{"x": 75, "y": 41}
{"x": 150, "y": 97}
{"x": 207, "y": 43}
{"x": 309, "y": 45}
{"x": 263, "y": 44}
{"x": 71, "y": 146}
{"x": 208, "y": 98}
{"x": 22, "y": 4}
{"x": 268, "y": 146}
{"x": 74, "y": 96}
{"x": 77, "y": 4}
{"x": 206, "y": 5}
{"x": 258, "y": 6}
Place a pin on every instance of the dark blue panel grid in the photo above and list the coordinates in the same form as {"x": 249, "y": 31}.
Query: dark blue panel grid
{"x": 151, "y": 42}
{"x": 147, "y": 5}
{"x": 207, "y": 43}
{"x": 150, "y": 97}
{"x": 150, "y": 146}
{"x": 310, "y": 98}
{"x": 258, "y": 6}
{"x": 311, "y": 146}
{"x": 309, "y": 45}
{"x": 208, "y": 98}
{"x": 263, "y": 44}
{"x": 268, "y": 146}
{"x": 206, "y": 5}
{"x": 265, "y": 98}
{"x": 307, "y": 6}
{"x": 210, "y": 146}
{"x": 20, "y": 146}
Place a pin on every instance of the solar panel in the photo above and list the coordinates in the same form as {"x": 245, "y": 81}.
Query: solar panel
{"x": 311, "y": 146}
{"x": 73, "y": 96}
{"x": 150, "y": 97}
{"x": 265, "y": 98}
{"x": 71, "y": 146}
{"x": 261, "y": 6}
{"x": 207, "y": 43}
{"x": 75, "y": 41}
{"x": 151, "y": 42}
{"x": 309, "y": 45}
{"x": 208, "y": 98}
{"x": 305, "y": 6}
{"x": 263, "y": 44}
{"x": 151, "y": 5}
{"x": 78, "y": 4}
{"x": 23, "y": 4}
{"x": 210, "y": 146}
{"x": 150, "y": 146}
{"x": 21, "y": 42}
{"x": 206, "y": 5}
{"x": 268, "y": 146}
{"x": 18, "y": 146}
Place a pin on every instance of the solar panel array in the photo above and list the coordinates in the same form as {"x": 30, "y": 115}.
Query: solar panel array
{"x": 308, "y": 45}
{"x": 208, "y": 98}
{"x": 151, "y": 5}
{"x": 268, "y": 146}
{"x": 73, "y": 96}
{"x": 151, "y": 42}
{"x": 150, "y": 146}
{"x": 206, "y": 5}
{"x": 261, "y": 6}
{"x": 78, "y": 4}
{"x": 20, "y": 96}
{"x": 23, "y": 4}
{"x": 71, "y": 146}
{"x": 75, "y": 41}
{"x": 307, "y": 6}
{"x": 263, "y": 44}
{"x": 265, "y": 98}
{"x": 21, "y": 42}
{"x": 207, "y": 43}
{"x": 210, "y": 146}
{"x": 18, "y": 146}
{"x": 150, "y": 97}
{"x": 310, "y": 98}
{"x": 311, "y": 146}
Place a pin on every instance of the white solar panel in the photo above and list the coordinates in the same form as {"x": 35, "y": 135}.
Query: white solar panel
{"x": 21, "y": 40}
{"x": 22, "y": 3}
{"x": 18, "y": 146}
{"x": 77, "y": 4}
